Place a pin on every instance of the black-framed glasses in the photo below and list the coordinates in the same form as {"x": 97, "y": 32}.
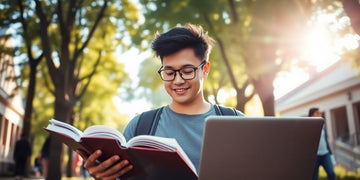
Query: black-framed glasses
{"x": 186, "y": 73}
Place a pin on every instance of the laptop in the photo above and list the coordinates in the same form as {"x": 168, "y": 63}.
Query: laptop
{"x": 259, "y": 148}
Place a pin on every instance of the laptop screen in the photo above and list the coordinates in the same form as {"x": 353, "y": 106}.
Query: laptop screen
{"x": 259, "y": 147}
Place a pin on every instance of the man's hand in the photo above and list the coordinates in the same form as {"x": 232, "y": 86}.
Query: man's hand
{"x": 106, "y": 170}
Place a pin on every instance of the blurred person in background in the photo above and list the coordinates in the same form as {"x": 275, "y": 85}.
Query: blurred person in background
{"x": 45, "y": 153}
{"x": 37, "y": 166}
{"x": 324, "y": 154}
{"x": 22, "y": 153}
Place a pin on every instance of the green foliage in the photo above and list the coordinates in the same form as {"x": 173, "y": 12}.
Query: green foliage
{"x": 214, "y": 17}
{"x": 148, "y": 75}
{"x": 96, "y": 106}
{"x": 150, "y": 84}
{"x": 259, "y": 38}
{"x": 78, "y": 42}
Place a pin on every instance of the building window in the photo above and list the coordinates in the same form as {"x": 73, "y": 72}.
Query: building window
{"x": 341, "y": 125}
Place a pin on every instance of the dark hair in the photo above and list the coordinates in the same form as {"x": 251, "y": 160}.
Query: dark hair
{"x": 188, "y": 36}
{"x": 312, "y": 111}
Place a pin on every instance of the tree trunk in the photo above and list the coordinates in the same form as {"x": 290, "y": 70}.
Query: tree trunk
{"x": 63, "y": 111}
{"x": 264, "y": 88}
{"x": 30, "y": 97}
{"x": 241, "y": 98}
{"x": 240, "y": 105}
{"x": 29, "y": 104}
{"x": 69, "y": 165}
{"x": 352, "y": 9}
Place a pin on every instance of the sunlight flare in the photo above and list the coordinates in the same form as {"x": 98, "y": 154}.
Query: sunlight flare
{"x": 319, "y": 50}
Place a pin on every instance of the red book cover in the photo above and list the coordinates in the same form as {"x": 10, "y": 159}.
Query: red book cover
{"x": 148, "y": 162}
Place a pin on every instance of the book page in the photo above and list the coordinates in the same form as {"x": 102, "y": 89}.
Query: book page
{"x": 169, "y": 144}
{"x": 65, "y": 128}
{"x": 105, "y": 131}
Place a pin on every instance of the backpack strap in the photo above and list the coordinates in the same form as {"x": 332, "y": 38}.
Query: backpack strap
{"x": 221, "y": 110}
{"x": 148, "y": 122}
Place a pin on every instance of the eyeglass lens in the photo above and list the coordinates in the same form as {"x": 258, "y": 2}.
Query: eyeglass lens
{"x": 186, "y": 73}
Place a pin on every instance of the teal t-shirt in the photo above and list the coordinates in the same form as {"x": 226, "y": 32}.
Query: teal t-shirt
{"x": 186, "y": 129}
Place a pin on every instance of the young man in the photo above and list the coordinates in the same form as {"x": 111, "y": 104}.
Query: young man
{"x": 323, "y": 156}
{"x": 184, "y": 54}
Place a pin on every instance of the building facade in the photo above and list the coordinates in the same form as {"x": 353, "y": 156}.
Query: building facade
{"x": 336, "y": 91}
{"x": 11, "y": 106}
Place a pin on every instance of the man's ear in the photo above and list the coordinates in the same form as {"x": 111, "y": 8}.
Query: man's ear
{"x": 206, "y": 68}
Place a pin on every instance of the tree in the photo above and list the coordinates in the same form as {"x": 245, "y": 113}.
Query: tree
{"x": 65, "y": 32}
{"x": 271, "y": 42}
{"x": 27, "y": 33}
{"x": 352, "y": 9}
{"x": 259, "y": 36}
{"x": 69, "y": 86}
{"x": 150, "y": 83}
{"x": 343, "y": 27}
{"x": 96, "y": 105}
{"x": 162, "y": 15}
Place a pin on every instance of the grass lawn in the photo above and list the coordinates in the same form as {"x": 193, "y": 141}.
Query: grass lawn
{"x": 341, "y": 174}
{"x": 77, "y": 178}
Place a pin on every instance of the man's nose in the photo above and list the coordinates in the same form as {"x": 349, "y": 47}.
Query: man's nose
{"x": 178, "y": 78}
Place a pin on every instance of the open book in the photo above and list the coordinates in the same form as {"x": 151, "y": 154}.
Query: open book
{"x": 152, "y": 157}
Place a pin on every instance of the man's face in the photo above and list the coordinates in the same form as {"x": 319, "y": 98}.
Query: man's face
{"x": 184, "y": 91}
{"x": 317, "y": 114}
